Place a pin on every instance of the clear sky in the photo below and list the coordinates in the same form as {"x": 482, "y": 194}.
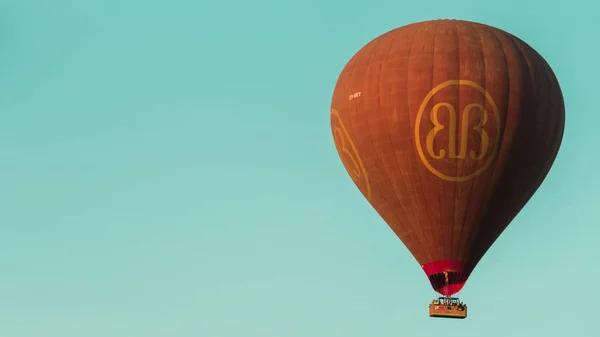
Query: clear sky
{"x": 167, "y": 170}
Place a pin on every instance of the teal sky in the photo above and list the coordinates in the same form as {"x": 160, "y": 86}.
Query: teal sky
{"x": 167, "y": 169}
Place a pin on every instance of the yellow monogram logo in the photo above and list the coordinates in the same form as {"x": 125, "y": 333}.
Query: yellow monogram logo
{"x": 349, "y": 155}
{"x": 462, "y": 131}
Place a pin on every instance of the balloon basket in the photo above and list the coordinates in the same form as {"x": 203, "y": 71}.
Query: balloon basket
{"x": 448, "y": 307}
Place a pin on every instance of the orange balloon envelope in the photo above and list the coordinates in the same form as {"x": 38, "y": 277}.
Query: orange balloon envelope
{"x": 448, "y": 128}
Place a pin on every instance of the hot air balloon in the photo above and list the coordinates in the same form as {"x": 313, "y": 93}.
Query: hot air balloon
{"x": 448, "y": 128}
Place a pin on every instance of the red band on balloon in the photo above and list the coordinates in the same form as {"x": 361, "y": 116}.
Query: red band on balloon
{"x": 451, "y": 282}
{"x": 441, "y": 266}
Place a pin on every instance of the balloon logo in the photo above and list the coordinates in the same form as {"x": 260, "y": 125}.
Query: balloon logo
{"x": 350, "y": 158}
{"x": 474, "y": 120}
